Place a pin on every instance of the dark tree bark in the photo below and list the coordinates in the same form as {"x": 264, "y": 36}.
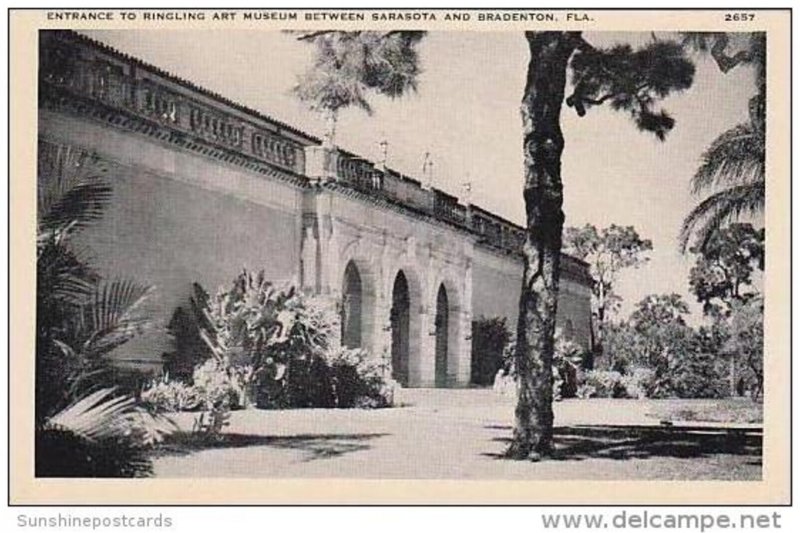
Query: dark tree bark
{"x": 543, "y": 144}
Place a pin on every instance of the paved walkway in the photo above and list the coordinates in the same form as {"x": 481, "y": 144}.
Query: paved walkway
{"x": 460, "y": 434}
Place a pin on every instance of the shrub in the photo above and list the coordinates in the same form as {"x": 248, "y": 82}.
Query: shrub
{"x": 217, "y": 383}
{"x": 281, "y": 333}
{"x": 567, "y": 358}
{"x": 184, "y": 327}
{"x": 639, "y": 383}
{"x": 217, "y": 388}
{"x": 697, "y": 374}
{"x": 270, "y": 345}
{"x": 359, "y": 380}
{"x": 490, "y": 336}
{"x": 165, "y": 395}
{"x": 602, "y": 384}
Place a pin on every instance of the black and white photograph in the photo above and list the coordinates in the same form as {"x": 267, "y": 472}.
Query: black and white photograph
{"x": 377, "y": 248}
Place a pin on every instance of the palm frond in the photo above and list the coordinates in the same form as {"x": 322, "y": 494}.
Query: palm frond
{"x": 71, "y": 189}
{"x": 102, "y": 415}
{"x": 100, "y": 435}
{"x": 735, "y": 157}
{"x": 63, "y": 274}
{"x": 113, "y": 316}
{"x": 96, "y": 416}
{"x": 726, "y": 205}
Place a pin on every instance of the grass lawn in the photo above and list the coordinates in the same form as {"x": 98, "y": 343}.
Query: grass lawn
{"x": 731, "y": 411}
{"x": 461, "y": 434}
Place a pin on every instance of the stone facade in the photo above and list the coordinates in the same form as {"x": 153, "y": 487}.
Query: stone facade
{"x": 204, "y": 186}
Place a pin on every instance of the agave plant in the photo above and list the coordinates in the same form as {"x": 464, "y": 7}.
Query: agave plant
{"x": 100, "y": 435}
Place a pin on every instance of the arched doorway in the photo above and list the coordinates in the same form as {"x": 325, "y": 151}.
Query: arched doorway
{"x": 400, "y": 320}
{"x": 351, "y": 307}
{"x": 442, "y": 334}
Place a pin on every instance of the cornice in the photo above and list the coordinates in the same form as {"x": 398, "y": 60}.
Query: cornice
{"x": 75, "y": 37}
{"x": 53, "y": 99}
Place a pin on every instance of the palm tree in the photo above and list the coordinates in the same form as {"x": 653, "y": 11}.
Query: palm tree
{"x": 100, "y": 435}
{"x": 732, "y": 169}
{"x": 80, "y": 317}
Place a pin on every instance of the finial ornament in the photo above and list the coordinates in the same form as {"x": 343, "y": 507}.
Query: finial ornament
{"x": 427, "y": 170}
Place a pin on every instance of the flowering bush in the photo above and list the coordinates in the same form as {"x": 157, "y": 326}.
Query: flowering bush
{"x": 217, "y": 388}
{"x": 218, "y": 383}
{"x": 164, "y": 395}
{"x": 602, "y": 384}
{"x": 638, "y": 383}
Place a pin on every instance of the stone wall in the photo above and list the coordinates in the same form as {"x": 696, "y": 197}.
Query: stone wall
{"x": 204, "y": 187}
{"x": 176, "y": 218}
{"x": 497, "y": 280}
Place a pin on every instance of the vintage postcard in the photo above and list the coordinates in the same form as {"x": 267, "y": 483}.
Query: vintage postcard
{"x": 400, "y": 256}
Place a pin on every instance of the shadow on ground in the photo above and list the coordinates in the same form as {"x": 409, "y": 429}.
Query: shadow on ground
{"x": 577, "y": 443}
{"x": 315, "y": 446}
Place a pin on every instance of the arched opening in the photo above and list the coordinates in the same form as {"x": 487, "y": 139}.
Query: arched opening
{"x": 442, "y": 334}
{"x": 400, "y": 320}
{"x": 351, "y": 307}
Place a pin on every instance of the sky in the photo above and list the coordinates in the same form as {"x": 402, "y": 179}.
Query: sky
{"x": 466, "y": 114}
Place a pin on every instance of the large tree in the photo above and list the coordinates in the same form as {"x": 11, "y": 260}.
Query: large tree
{"x": 722, "y": 278}
{"x": 662, "y": 335}
{"x": 348, "y": 66}
{"x": 629, "y": 80}
{"x": 723, "y": 271}
{"x": 745, "y": 341}
{"x": 608, "y": 252}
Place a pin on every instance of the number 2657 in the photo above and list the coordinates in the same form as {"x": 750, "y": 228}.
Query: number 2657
{"x": 739, "y": 17}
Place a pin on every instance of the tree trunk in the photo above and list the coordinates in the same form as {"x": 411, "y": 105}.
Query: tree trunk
{"x": 600, "y": 336}
{"x": 329, "y": 138}
{"x": 543, "y": 144}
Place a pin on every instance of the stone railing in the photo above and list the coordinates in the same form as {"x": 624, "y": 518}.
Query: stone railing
{"x": 362, "y": 175}
{"x": 75, "y": 69}
{"x": 359, "y": 173}
{"x": 446, "y": 207}
{"x": 407, "y": 191}
{"x": 495, "y": 231}
{"x": 90, "y": 79}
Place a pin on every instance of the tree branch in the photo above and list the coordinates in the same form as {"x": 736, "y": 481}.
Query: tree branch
{"x": 314, "y": 34}
{"x": 723, "y": 60}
